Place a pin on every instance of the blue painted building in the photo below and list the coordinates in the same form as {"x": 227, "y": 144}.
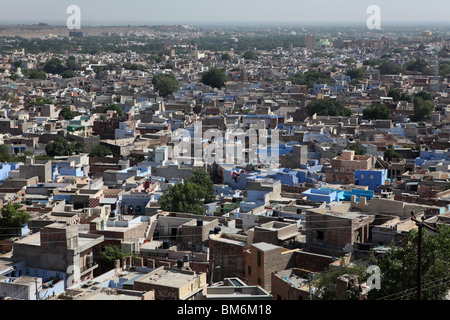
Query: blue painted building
{"x": 322, "y": 195}
{"x": 6, "y": 168}
{"x": 371, "y": 178}
{"x": 329, "y": 195}
{"x": 432, "y": 155}
{"x": 135, "y": 203}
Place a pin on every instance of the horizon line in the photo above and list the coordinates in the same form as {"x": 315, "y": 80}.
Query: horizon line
{"x": 104, "y": 23}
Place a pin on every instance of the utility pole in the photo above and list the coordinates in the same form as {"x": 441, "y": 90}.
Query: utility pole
{"x": 420, "y": 225}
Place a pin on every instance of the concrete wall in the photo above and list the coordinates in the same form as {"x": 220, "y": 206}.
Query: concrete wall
{"x": 271, "y": 260}
{"x": 23, "y": 288}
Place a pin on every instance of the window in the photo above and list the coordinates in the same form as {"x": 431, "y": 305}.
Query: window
{"x": 259, "y": 280}
{"x": 320, "y": 235}
{"x": 259, "y": 258}
{"x": 249, "y": 270}
{"x": 362, "y": 175}
{"x": 371, "y": 177}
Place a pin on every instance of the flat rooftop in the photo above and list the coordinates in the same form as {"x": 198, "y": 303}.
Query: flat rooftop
{"x": 264, "y": 246}
{"x": 168, "y": 277}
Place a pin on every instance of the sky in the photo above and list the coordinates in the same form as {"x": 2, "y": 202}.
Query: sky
{"x": 150, "y": 12}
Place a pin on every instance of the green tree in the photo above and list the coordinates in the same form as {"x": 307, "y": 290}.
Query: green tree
{"x": 309, "y": 78}
{"x": 77, "y": 147}
{"x": 444, "y": 69}
{"x": 356, "y": 73}
{"x": 116, "y": 108}
{"x": 67, "y": 74}
{"x": 14, "y": 77}
{"x": 357, "y": 147}
{"x": 328, "y": 107}
{"x": 388, "y": 67}
{"x": 204, "y": 181}
{"x": 398, "y": 267}
{"x": 325, "y": 282}
{"x": 420, "y": 65}
{"x": 54, "y": 66}
{"x": 133, "y": 66}
{"x": 71, "y": 63}
{"x": 165, "y": 84}
{"x": 185, "y": 197}
{"x": 61, "y": 147}
{"x": 34, "y": 74}
{"x": 395, "y": 94}
{"x": 376, "y": 111}
{"x": 422, "y": 109}
{"x": 112, "y": 253}
{"x": 66, "y": 113}
{"x": 214, "y": 77}
{"x": 13, "y": 217}
{"x": 17, "y": 64}
{"x": 424, "y": 95}
{"x": 250, "y": 55}
{"x": 349, "y": 61}
{"x": 225, "y": 56}
{"x": 390, "y": 153}
{"x": 5, "y": 154}
{"x": 100, "y": 151}
{"x": 41, "y": 101}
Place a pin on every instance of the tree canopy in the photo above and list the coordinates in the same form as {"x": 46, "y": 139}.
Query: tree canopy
{"x": 112, "y": 253}
{"x": 66, "y": 113}
{"x": 225, "y": 56}
{"x": 309, "y": 78}
{"x": 5, "y": 154}
{"x": 165, "y": 84}
{"x": 387, "y": 67}
{"x": 100, "y": 151}
{"x": 13, "y": 217}
{"x": 356, "y": 73}
{"x": 214, "y": 77}
{"x": 327, "y": 107}
{"x": 357, "y": 147}
{"x": 419, "y": 65}
{"x": 325, "y": 282}
{"x": 183, "y": 197}
{"x": 41, "y": 101}
{"x": 61, "y": 147}
{"x": 116, "y": 108}
{"x": 54, "y": 66}
{"x": 64, "y": 68}
{"x": 34, "y": 74}
{"x": 205, "y": 183}
{"x": 133, "y": 66}
{"x": 376, "y": 111}
{"x": 250, "y": 55}
{"x": 422, "y": 109}
{"x": 397, "y": 95}
{"x": 390, "y": 153}
{"x": 398, "y": 267}
{"x": 189, "y": 196}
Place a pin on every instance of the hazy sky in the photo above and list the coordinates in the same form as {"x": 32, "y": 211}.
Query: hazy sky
{"x": 224, "y": 11}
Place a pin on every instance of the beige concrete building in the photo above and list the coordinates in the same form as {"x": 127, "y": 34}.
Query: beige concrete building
{"x": 173, "y": 284}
